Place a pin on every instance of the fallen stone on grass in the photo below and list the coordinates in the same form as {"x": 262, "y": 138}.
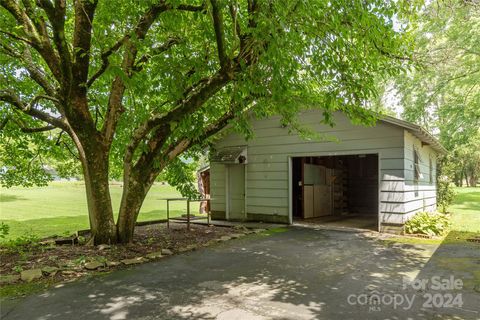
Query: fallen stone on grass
{"x": 225, "y": 238}
{"x": 133, "y": 261}
{"x": 49, "y": 242}
{"x": 9, "y": 278}
{"x": 166, "y": 252}
{"x": 30, "y": 275}
{"x": 65, "y": 264}
{"x": 236, "y": 235}
{"x": 68, "y": 272}
{"x": 93, "y": 265}
{"x": 154, "y": 255}
{"x": 50, "y": 271}
{"x": 112, "y": 264}
{"x": 187, "y": 248}
{"x": 103, "y": 247}
{"x": 240, "y": 227}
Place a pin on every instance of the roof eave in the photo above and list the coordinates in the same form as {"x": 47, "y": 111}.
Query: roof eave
{"x": 417, "y": 131}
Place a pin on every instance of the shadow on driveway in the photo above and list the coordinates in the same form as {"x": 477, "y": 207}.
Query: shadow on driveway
{"x": 302, "y": 273}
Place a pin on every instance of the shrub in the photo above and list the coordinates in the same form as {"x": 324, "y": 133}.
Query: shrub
{"x": 445, "y": 193}
{"x": 22, "y": 244}
{"x": 429, "y": 223}
{"x": 4, "y": 229}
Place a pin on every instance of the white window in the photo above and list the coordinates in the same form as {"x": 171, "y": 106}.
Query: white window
{"x": 416, "y": 164}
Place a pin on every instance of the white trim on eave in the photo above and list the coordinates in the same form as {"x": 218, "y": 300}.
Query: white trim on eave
{"x": 417, "y": 131}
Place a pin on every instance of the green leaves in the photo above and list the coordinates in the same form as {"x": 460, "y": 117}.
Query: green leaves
{"x": 429, "y": 223}
{"x": 443, "y": 93}
{"x": 29, "y": 159}
{"x": 181, "y": 174}
{"x": 289, "y": 56}
{"x": 445, "y": 193}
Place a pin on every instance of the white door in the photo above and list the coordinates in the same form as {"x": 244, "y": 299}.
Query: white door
{"x": 236, "y": 192}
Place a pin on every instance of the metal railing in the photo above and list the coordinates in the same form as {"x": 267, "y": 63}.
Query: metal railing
{"x": 188, "y": 200}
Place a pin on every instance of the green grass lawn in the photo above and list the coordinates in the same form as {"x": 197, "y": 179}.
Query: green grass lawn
{"x": 61, "y": 208}
{"x": 465, "y": 216}
{"x": 466, "y": 210}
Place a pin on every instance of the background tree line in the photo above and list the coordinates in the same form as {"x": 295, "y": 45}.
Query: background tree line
{"x": 443, "y": 92}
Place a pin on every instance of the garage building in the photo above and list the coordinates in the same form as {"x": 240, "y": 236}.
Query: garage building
{"x": 364, "y": 177}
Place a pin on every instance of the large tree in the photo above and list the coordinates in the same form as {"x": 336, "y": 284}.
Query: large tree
{"x": 129, "y": 86}
{"x": 443, "y": 93}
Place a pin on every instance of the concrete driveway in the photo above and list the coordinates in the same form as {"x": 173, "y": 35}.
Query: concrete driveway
{"x": 302, "y": 273}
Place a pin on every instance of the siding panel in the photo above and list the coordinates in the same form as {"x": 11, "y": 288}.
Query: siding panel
{"x": 268, "y": 152}
{"x": 420, "y": 195}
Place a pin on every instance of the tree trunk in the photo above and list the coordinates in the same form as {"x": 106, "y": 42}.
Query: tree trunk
{"x": 94, "y": 160}
{"x": 473, "y": 180}
{"x": 460, "y": 179}
{"x": 134, "y": 192}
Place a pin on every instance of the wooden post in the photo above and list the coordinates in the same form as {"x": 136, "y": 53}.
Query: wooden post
{"x": 208, "y": 215}
{"x": 188, "y": 214}
{"x": 168, "y": 214}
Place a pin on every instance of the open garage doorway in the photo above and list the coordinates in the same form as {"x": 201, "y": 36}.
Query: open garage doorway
{"x": 336, "y": 191}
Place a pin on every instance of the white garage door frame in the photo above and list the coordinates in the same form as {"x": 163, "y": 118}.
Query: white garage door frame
{"x": 332, "y": 154}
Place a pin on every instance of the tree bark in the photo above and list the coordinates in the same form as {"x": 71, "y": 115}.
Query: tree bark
{"x": 473, "y": 179}
{"x": 94, "y": 159}
{"x": 135, "y": 189}
{"x": 465, "y": 174}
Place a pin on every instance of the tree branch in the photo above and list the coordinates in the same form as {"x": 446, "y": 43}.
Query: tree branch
{"x": 115, "y": 108}
{"x": 185, "y": 143}
{"x": 105, "y": 61}
{"x": 16, "y": 37}
{"x": 145, "y": 21}
{"x": 199, "y": 93}
{"x": 195, "y": 96}
{"x": 219, "y": 33}
{"x": 252, "y": 8}
{"x": 202, "y": 91}
{"x": 39, "y": 129}
{"x": 35, "y": 73}
{"x": 237, "y": 31}
{"x": 390, "y": 55}
{"x": 56, "y": 16}
{"x": 82, "y": 37}
{"x": 156, "y": 51}
{"x": 4, "y": 122}
{"x": 14, "y": 9}
{"x": 10, "y": 97}
{"x": 35, "y": 29}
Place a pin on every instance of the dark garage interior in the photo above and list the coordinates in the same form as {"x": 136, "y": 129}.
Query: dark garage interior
{"x": 339, "y": 191}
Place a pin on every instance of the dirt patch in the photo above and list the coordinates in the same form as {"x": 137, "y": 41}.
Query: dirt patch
{"x": 69, "y": 262}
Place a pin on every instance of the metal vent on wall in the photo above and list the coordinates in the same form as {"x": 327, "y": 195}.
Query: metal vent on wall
{"x": 230, "y": 155}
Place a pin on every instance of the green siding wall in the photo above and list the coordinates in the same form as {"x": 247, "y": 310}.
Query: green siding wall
{"x": 269, "y": 150}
